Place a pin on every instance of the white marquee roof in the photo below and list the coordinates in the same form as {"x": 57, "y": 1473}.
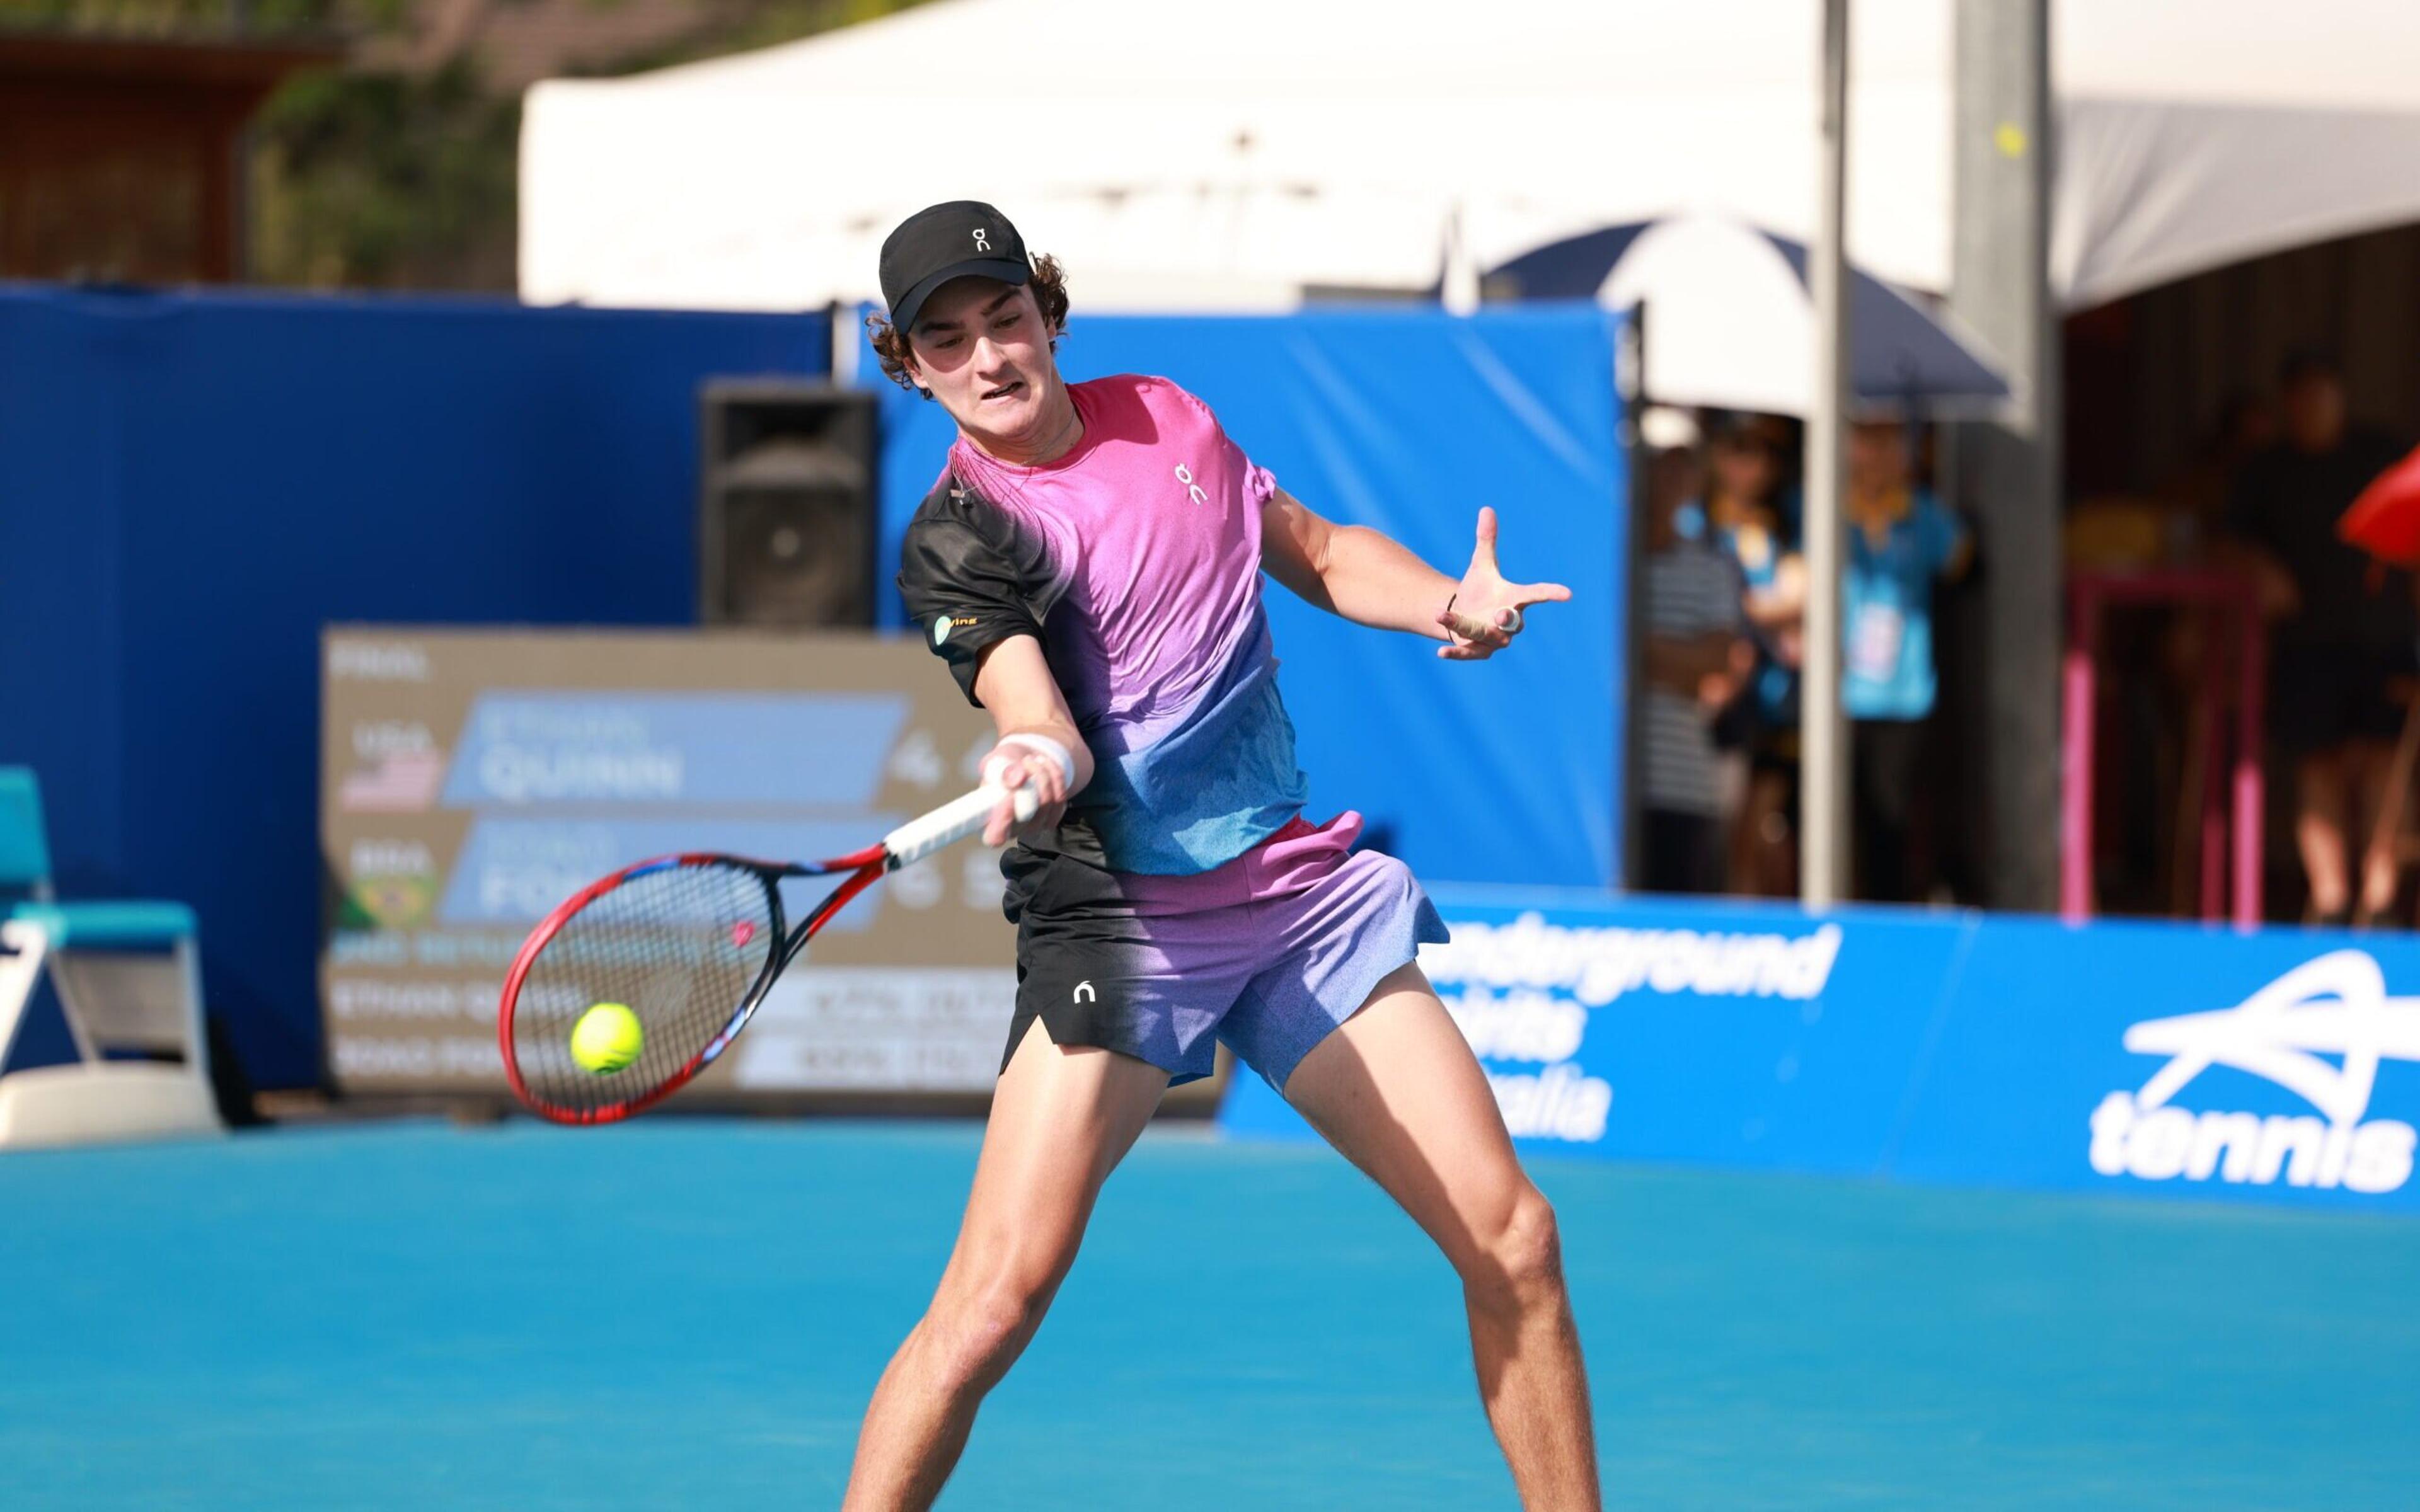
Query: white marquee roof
{"x": 1177, "y": 158}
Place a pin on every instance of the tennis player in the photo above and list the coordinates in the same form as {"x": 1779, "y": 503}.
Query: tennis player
{"x": 1089, "y": 567}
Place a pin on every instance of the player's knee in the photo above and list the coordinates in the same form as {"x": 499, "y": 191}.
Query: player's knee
{"x": 981, "y": 1329}
{"x": 1520, "y": 1265}
{"x": 977, "y": 1340}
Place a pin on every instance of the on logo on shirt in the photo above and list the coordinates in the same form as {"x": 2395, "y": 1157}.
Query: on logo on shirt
{"x": 1192, "y": 489}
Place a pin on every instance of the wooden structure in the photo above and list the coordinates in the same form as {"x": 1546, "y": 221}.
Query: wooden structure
{"x": 119, "y": 157}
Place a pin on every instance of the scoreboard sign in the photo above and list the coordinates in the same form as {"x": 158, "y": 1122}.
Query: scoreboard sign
{"x": 472, "y": 780}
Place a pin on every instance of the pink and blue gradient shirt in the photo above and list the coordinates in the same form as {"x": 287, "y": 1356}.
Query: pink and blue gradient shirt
{"x": 1134, "y": 560}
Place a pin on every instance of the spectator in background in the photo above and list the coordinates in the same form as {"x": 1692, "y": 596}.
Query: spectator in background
{"x": 1903, "y": 542}
{"x": 2200, "y": 497}
{"x": 1747, "y": 514}
{"x": 2343, "y": 630}
{"x": 1697, "y": 659}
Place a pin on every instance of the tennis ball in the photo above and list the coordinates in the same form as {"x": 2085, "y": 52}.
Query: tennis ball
{"x": 607, "y": 1038}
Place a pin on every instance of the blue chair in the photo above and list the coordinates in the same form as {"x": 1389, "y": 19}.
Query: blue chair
{"x": 128, "y": 978}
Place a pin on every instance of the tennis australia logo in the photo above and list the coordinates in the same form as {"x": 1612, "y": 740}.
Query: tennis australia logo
{"x": 2285, "y": 1033}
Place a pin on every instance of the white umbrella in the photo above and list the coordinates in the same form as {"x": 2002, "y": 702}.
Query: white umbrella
{"x": 1731, "y": 319}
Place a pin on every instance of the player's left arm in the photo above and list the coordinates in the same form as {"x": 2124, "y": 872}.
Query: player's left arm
{"x": 1366, "y": 577}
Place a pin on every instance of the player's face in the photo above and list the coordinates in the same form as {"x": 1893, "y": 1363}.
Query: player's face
{"x": 980, "y": 347}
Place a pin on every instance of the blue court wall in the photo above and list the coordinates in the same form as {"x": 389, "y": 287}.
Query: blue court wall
{"x": 1408, "y": 421}
{"x": 191, "y": 485}
{"x": 2146, "y": 1058}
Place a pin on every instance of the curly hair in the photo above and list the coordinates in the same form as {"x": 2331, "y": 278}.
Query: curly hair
{"x": 1049, "y": 286}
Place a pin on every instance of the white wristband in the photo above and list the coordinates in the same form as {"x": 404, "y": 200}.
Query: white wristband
{"x": 1041, "y": 745}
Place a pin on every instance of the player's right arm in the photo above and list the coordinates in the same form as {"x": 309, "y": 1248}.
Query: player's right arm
{"x": 1014, "y": 682}
{"x": 984, "y": 588}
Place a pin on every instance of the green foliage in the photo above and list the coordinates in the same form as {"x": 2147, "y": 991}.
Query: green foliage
{"x": 382, "y": 178}
{"x": 386, "y": 180}
{"x": 154, "y": 18}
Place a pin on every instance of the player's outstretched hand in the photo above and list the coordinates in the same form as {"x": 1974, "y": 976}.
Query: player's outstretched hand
{"x": 1486, "y": 611}
{"x": 1011, "y": 766}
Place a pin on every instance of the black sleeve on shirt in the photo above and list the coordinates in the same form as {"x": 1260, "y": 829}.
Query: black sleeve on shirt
{"x": 971, "y": 579}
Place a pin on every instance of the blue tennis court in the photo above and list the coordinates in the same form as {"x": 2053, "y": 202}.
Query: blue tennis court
{"x": 691, "y": 1313}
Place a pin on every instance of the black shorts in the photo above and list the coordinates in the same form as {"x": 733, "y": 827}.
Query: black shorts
{"x": 1267, "y": 953}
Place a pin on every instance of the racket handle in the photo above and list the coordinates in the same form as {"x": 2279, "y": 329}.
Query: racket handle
{"x": 949, "y": 824}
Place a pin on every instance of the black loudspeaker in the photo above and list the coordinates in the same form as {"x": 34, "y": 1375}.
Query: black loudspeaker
{"x": 786, "y": 518}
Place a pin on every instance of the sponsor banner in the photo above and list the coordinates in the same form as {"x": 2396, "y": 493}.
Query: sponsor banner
{"x": 1669, "y": 1031}
{"x": 866, "y": 1030}
{"x": 516, "y": 871}
{"x": 472, "y": 781}
{"x": 2159, "y": 1058}
{"x": 823, "y": 751}
{"x": 2280, "y": 1064}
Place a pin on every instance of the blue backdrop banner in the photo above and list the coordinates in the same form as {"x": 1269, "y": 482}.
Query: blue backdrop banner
{"x": 1408, "y": 421}
{"x": 191, "y": 485}
{"x": 2162, "y": 1058}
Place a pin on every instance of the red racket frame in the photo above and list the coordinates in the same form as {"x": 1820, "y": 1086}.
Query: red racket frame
{"x": 865, "y": 867}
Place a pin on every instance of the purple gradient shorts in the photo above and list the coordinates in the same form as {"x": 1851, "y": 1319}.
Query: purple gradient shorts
{"x": 1268, "y": 953}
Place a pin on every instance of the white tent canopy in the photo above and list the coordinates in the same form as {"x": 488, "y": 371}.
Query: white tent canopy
{"x": 1185, "y": 160}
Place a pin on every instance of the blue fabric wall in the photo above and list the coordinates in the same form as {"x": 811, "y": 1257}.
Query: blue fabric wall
{"x": 1408, "y": 421}
{"x": 190, "y": 485}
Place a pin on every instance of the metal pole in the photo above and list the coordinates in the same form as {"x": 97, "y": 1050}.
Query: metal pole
{"x": 2010, "y": 466}
{"x": 1458, "y": 281}
{"x": 1630, "y": 385}
{"x": 1823, "y": 732}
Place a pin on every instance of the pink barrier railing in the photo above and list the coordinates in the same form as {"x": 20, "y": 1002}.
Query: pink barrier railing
{"x": 2218, "y": 596}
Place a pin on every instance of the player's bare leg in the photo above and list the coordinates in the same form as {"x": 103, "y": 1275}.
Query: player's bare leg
{"x": 1061, "y": 1121}
{"x": 1398, "y": 1092}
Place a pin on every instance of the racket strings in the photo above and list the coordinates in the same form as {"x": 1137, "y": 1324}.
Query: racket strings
{"x": 680, "y": 946}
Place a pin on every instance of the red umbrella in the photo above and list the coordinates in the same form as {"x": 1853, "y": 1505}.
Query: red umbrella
{"x": 2385, "y": 523}
{"x": 2385, "y": 520}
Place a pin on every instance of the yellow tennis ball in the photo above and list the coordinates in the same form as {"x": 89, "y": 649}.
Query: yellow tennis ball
{"x": 607, "y": 1038}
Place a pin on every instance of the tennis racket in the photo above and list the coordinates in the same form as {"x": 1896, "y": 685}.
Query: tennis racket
{"x": 691, "y": 944}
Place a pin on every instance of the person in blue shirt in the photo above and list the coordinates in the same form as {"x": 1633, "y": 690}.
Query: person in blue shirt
{"x": 1903, "y": 542}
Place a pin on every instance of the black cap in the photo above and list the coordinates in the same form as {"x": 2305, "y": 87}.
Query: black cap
{"x": 963, "y": 238}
